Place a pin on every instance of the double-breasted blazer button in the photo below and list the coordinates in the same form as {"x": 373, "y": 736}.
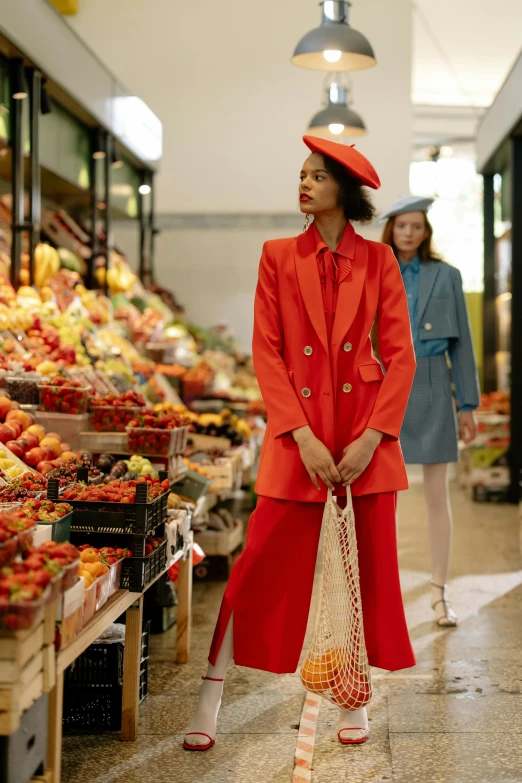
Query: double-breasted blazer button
{"x": 347, "y": 388}
{"x": 308, "y": 350}
{"x": 347, "y": 347}
{"x": 306, "y": 392}
{"x": 428, "y": 327}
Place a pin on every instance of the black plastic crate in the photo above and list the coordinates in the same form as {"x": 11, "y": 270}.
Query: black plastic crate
{"x": 138, "y": 572}
{"x": 93, "y": 687}
{"x": 100, "y": 666}
{"x": 137, "y": 518}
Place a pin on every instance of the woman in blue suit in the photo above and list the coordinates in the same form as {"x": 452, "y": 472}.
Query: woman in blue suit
{"x": 440, "y": 328}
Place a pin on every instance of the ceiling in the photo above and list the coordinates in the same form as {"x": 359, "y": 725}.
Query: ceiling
{"x": 463, "y": 49}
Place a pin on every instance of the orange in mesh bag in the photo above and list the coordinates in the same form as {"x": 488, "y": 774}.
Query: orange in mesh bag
{"x": 337, "y": 663}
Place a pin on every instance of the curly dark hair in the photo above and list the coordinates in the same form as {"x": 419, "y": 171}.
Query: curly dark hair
{"x": 353, "y": 197}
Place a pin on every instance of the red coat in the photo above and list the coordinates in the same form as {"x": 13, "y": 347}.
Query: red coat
{"x": 296, "y": 382}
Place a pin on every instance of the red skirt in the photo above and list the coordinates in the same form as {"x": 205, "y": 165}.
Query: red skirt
{"x": 270, "y": 587}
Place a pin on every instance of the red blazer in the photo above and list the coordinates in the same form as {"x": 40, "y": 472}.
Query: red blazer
{"x": 291, "y": 358}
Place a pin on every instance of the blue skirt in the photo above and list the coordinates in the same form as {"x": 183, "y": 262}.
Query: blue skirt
{"x": 429, "y": 433}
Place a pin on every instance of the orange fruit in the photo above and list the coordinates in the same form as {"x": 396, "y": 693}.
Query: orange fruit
{"x": 317, "y": 673}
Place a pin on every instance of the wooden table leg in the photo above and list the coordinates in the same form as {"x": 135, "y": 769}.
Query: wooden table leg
{"x": 131, "y": 671}
{"x": 184, "y": 626}
{"x": 54, "y": 739}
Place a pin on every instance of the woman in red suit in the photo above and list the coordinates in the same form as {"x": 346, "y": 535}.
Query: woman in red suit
{"x": 334, "y": 420}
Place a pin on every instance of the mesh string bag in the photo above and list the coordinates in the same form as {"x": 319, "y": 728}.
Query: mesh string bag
{"x": 336, "y": 664}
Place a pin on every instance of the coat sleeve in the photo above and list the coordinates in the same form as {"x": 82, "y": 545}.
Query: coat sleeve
{"x": 283, "y": 406}
{"x": 462, "y": 356}
{"x": 395, "y": 349}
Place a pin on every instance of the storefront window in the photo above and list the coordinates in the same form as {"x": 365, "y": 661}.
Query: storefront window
{"x": 457, "y": 219}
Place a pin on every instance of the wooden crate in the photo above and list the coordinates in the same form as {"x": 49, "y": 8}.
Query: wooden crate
{"x": 219, "y": 542}
{"x": 23, "y": 661}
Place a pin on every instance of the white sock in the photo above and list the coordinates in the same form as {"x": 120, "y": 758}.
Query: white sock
{"x": 205, "y": 717}
{"x": 353, "y": 719}
{"x": 206, "y": 713}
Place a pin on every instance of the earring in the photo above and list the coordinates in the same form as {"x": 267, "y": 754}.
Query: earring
{"x": 306, "y": 224}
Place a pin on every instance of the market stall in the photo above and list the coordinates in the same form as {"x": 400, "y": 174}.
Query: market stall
{"x": 124, "y": 428}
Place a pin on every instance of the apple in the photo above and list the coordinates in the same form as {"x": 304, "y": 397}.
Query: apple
{"x": 24, "y": 444}
{"x": 54, "y": 436}
{"x": 48, "y": 452}
{"x": 38, "y": 430}
{"x": 15, "y": 426}
{"x": 15, "y": 448}
{"x": 34, "y": 456}
{"x": 6, "y": 433}
{"x": 31, "y": 437}
{"x": 44, "y": 467}
{"x": 5, "y": 406}
{"x": 20, "y": 416}
{"x": 53, "y": 443}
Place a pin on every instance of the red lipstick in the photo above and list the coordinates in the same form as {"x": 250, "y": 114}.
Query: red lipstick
{"x": 304, "y": 197}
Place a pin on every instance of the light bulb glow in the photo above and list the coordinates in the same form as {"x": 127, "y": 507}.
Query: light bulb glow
{"x": 332, "y": 55}
{"x": 98, "y": 155}
{"x": 19, "y": 96}
{"x": 446, "y": 152}
{"x": 336, "y": 128}
{"x": 144, "y": 190}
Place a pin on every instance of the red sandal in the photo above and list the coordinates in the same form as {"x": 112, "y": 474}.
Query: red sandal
{"x": 211, "y": 741}
{"x": 354, "y": 741}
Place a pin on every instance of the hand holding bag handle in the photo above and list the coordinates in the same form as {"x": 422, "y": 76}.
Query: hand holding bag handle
{"x": 336, "y": 664}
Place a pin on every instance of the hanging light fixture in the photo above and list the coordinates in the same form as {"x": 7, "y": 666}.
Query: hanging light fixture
{"x": 45, "y": 101}
{"x": 98, "y": 145}
{"x": 337, "y": 119}
{"x": 334, "y": 43}
{"x": 116, "y": 159}
{"x": 18, "y": 85}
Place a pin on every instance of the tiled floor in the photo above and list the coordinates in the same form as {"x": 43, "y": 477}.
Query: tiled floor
{"x": 455, "y": 718}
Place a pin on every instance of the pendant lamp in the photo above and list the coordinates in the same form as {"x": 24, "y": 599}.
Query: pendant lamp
{"x": 337, "y": 120}
{"x": 334, "y": 42}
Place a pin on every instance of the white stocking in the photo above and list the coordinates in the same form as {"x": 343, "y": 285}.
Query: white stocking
{"x": 209, "y": 702}
{"x": 440, "y": 525}
{"x": 353, "y": 719}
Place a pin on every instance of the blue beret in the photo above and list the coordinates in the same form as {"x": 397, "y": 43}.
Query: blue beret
{"x": 407, "y": 204}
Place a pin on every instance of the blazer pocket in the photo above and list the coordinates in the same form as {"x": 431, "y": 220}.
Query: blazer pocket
{"x": 371, "y": 372}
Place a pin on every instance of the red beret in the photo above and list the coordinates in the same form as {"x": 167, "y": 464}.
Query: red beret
{"x": 358, "y": 166}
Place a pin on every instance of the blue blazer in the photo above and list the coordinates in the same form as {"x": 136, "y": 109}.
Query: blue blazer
{"x": 443, "y": 314}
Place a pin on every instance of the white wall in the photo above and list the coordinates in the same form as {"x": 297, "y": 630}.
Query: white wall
{"x": 234, "y": 110}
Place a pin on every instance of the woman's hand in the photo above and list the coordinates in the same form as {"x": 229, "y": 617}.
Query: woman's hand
{"x": 316, "y": 458}
{"x": 358, "y": 455}
{"x": 467, "y": 426}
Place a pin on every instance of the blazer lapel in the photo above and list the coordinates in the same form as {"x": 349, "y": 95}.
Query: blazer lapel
{"x": 429, "y": 271}
{"x": 310, "y": 284}
{"x": 350, "y": 292}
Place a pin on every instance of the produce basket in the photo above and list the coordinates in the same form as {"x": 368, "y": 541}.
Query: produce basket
{"x": 192, "y": 486}
{"x": 137, "y": 518}
{"x": 105, "y": 442}
{"x": 23, "y": 389}
{"x": 18, "y": 543}
{"x": 89, "y": 603}
{"x": 71, "y": 574}
{"x": 68, "y": 426}
{"x": 115, "y": 578}
{"x": 138, "y": 572}
{"x": 103, "y": 584}
{"x": 148, "y": 441}
{"x": 69, "y": 400}
{"x": 61, "y": 528}
{"x": 112, "y": 419}
{"x": 20, "y": 616}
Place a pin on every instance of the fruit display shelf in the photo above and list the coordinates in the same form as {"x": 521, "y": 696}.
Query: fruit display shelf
{"x": 137, "y": 518}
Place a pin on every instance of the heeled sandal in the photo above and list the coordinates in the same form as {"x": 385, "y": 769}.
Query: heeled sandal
{"x": 211, "y": 741}
{"x": 449, "y": 619}
{"x": 359, "y": 741}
